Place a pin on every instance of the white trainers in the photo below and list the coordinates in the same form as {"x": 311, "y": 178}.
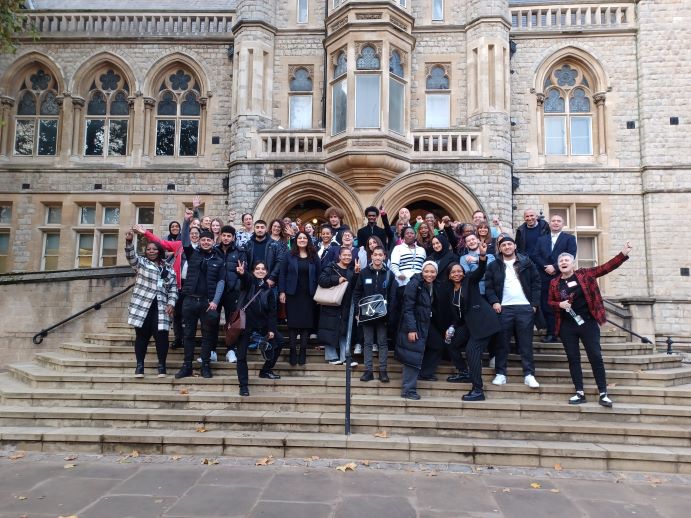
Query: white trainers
{"x": 313, "y": 336}
{"x": 353, "y": 364}
{"x": 499, "y": 379}
{"x": 492, "y": 362}
{"x": 375, "y": 348}
{"x": 358, "y": 349}
{"x": 230, "y": 357}
{"x": 213, "y": 356}
{"x": 531, "y": 381}
{"x": 335, "y": 362}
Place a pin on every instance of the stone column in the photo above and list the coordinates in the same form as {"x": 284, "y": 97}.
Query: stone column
{"x": 149, "y": 103}
{"x": 6, "y": 104}
{"x": 77, "y": 105}
{"x": 64, "y": 142}
{"x": 202, "y": 124}
{"x": 599, "y": 99}
{"x": 540, "y": 99}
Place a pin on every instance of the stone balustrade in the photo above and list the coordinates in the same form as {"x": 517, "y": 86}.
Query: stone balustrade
{"x": 447, "y": 143}
{"x": 129, "y": 25}
{"x": 572, "y": 17}
{"x": 288, "y": 143}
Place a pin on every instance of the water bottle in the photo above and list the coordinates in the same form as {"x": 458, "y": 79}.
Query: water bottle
{"x": 449, "y": 334}
{"x": 578, "y": 318}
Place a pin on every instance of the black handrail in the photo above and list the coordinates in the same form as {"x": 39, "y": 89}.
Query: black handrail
{"x": 38, "y": 337}
{"x": 348, "y": 359}
{"x": 643, "y": 339}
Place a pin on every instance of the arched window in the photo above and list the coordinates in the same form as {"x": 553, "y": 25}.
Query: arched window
{"x": 300, "y": 106}
{"x": 568, "y": 110}
{"x": 341, "y": 64}
{"x": 339, "y": 94}
{"x": 438, "y": 97}
{"x": 396, "y": 93}
{"x": 178, "y": 114}
{"x": 38, "y": 115}
{"x": 107, "y": 114}
{"x": 368, "y": 88}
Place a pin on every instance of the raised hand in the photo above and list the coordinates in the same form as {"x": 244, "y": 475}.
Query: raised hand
{"x": 188, "y": 214}
{"x": 240, "y": 268}
{"x": 482, "y": 247}
{"x": 129, "y": 236}
{"x": 196, "y": 201}
{"x": 139, "y": 230}
{"x": 627, "y": 248}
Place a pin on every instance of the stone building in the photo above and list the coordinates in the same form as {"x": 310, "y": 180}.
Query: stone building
{"x": 118, "y": 114}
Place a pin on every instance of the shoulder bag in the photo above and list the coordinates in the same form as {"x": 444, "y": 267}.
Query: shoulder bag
{"x": 331, "y": 296}
{"x": 237, "y": 321}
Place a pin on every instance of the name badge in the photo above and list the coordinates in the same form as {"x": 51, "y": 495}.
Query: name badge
{"x": 572, "y": 284}
{"x": 368, "y": 281}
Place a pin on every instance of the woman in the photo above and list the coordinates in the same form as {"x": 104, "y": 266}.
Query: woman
{"x": 309, "y": 230}
{"x": 484, "y": 234}
{"x": 326, "y": 245}
{"x": 260, "y": 319}
{"x": 277, "y": 231}
{"x": 153, "y": 299}
{"x": 297, "y": 283}
{"x": 463, "y": 230}
{"x": 205, "y": 223}
{"x": 216, "y": 225}
{"x": 424, "y": 236}
{"x": 174, "y": 231}
{"x": 365, "y": 251}
{"x": 441, "y": 253}
{"x": 579, "y": 312}
{"x": 333, "y": 320}
{"x": 414, "y": 326}
{"x": 347, "y": 241}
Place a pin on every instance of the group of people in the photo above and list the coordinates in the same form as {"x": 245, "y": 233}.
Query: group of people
{"x": 428, "y": 288}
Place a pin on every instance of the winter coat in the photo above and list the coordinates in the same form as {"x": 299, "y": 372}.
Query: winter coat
{"x": 288, "y": 277}
{"x": 199, "y": 263}
{"x": 147, "y": 288}
{"x": 260, "y": 315}
{"x": 415, "y": 317}
{"x": 231, "y": 258}
{"x": 527, "y": 274}
{"x": 543, "y": 228}
{"x": 333, "y": 319}
{"x": 275, "y": 252}
{"x": 368, "y": 230}
{"x": 376, "y": 282}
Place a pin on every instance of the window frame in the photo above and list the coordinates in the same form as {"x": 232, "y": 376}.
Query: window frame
{"x": 147, "y": 226}
{"x": 362, "y": 75}
{"x": 43, "y": 250}
{"x": 434, "y": 3}
{"x": 52, "y": 87}
{"x": 569, "y": 211}
{"x": 340, "y": 80}
{"x": 5, "y": 257}
{"x": 102, "y": 236}
{"x": 77, "y": 256}
{"x": 307, "y": 11}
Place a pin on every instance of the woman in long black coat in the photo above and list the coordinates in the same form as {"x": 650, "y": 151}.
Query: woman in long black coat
{"x": 413, "y": 330}
{"x": 333, "y": 320}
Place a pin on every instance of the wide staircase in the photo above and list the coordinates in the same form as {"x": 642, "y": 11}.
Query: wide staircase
{"x": 85, "y": 398}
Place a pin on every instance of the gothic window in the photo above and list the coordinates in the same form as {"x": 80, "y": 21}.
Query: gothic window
{"x": 368, "y": 89}
{"x": 396, "y": 93}
{"x": 38, "y": 115}
{"x": 395, "y": 66}
{"x": 300, "y": 105}
{"x": 438, "y": 98}
{"x": 568, "y": 113}
{"x": 178, "y": 114}
{"x": 368, "y": 59}
{"x": 107, "y": 114}
{"x": 341, "y": 65}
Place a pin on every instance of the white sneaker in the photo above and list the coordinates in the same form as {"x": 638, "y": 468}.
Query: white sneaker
{"x": 213, "y": 356}
{"x": 230, "y": 357}
{"x": 375, "y": 348}
{"x": 313, "y": 336}
{"x": 353, "y": 364}
{"x": 335, "y": 362}
{"x": 531, "y": 381}
{"x": 358, "y": 349}
{"x": 492, "y": 362}
{"x": 499, "y": 379}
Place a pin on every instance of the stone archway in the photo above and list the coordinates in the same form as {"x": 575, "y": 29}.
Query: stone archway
{"x": 295, "y": 188}
{"x": 441, "y": 189}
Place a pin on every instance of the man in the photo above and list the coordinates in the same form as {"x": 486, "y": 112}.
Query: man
{"x": 371, "y": 229}
{"x": 529, "y": 232}
{"x": 233, "y": 257}
{"x": 548, "y": 249}
{"x": 404, "y": 216}
{"x": 203, "y": 290}
{"x": 334, "y": 216}
{"x": 261, "y": 248}
{"x": 406, "y": 261}
{"x": 471, "y": 260}
{"x": 512, "y": 286}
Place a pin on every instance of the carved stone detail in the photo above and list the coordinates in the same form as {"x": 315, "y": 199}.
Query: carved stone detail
{"x": 540, "y": 99}
{"x": 368, "y": 16}
{"x": 599, "y": 98}
{"x": 338, "y": 24}
{"x": 445, "y": 66}
{"x": 376, "y": 45}
{"x": 398, "y": 23}
{"x": 293, "y": 68}
{"x": 6, "y": 101}
{"x": 334, "y": 56}
{"x": 78, "y": 101}
{"x": 149, "y": 102}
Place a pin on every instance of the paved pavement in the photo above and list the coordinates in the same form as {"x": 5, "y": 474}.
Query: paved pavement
{"x": 36, "y": 485}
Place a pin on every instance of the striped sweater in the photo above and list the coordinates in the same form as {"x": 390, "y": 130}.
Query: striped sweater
{"x": 407, "y": 261}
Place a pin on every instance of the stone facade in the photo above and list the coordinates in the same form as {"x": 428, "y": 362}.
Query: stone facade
{"x": 501, "y": 60}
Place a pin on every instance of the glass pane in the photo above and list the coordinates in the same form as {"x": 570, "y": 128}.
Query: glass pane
{"x": 109, "y": 249}
{"x": 140, "y": 244}
{"x": 438, "y": 10}
{"x": 119, "y": 105}
{"x": 302, "y": 11}
{"x": 111, "y": 215}
{"x": 579, "y": 102}
{"x": 554, "y": 102}
{"x": 87, "y": 216}
{"x": 4, "y": 264}
{"x": 555, "y": 135}
{"x": 27, "y": 104}
{"x": 566, "y": 76}
{"x": 52, "y": 244}
{"x": 586, "y": 251}
{"x": 189, "y": 137}
{"x": 190, "y": 106}
{"x": 581, "y": 141}
{"x": 561, "y": 211}
{"x": 97, "y": 104}
{"x": 48, "y": 137}
{"x": 85, "y": 250}
{"x": 301, "y": 81}
{"x": 24, "y": 138}
{"x": 165, "y": 138}
{"x": 367, "y": 101}
{"x": 585, "y": 217}
{"x": 4, "y": 244}
{"x": 95, "y": 137}
{"x": 300, "y": 111}
{"x": 145, "y": 215}
{"x": 109, "y": 80}
{"x": 40, "y": 80}
{"x": 395, "y": 66}
{"x": 117, "y": 138}
{"x": 6, "y": 214}
{"x": 50, "y": 262}
{"x": 368, "y": 59}
{"x": 437, "y": 113}
{"x": 53, "y": 215}
{"x": 180, "y": 80}
{"x": 341, "y": 65}
{"x": 396, "y": 106}
{"x": 437, "y": 79}
{"x": 49, "y": 104}
{"x": 340, "y": 107}
{"x": 168, "y": 104}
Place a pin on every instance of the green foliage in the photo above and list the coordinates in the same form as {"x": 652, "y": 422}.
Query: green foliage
{"x": 10, "y": 24}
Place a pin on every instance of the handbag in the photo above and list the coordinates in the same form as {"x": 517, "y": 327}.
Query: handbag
{"x": 371, "y": 308}
{"x": 331, "y": 296}
{"x": 236, "y": 322}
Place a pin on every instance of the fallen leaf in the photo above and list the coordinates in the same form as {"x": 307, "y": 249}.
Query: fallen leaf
{"x": 535, "y": 485}
{"x": 184, "y": 391}
{"x": 71, "y": 457}
{"x": 134, "y": 454}
{"x": 557, "y": 467}
{"x": 381, "y": 435}
{"x": 175, "y": 457}
{"x": 69, "y": 466}
{"x": 22, "y": 497}
{"x": 554, "y": 491}
{"x": 611, "y": 385}
{"x": 432, "y": 474}
{"x": 200, "y": 429}
{"x": 351, "y": 466}
{"x": 18, "y": 455}
{"x": 266, "y": 461}
{"x": 310, "y": 459}
{"x": 365, "y": 463}
{"x": 506, "y": 490}
{"x": 210, "y": 462}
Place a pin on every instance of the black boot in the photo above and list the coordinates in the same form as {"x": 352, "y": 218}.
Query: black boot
{"x": 293, "y": 357}
{"x": 139, "y": 370}
{"x": 474, "y": 395}
{"x": 161, "y": 370}
{"x": 383, "y": 377}
{"x": 206, "y": 370}
{"x": 459, "y": 377}
{"x": 367, "y": 376}
{"x": 185, "y": 371}
{"x": 302, "y": 358}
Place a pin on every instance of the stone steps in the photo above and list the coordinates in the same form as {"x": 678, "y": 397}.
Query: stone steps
{"x": 570, "y": 455}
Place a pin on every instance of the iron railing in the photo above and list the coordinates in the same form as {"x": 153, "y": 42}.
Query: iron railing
{"x": 643, "y": 339}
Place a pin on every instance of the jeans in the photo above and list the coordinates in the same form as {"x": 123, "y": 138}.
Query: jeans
{"x": 375, "y": 333}
{"x": 409, "y": 380}
{"x": 241, "y": 352}
{"x": 589, "y": 334}
{"x": 195, "y": 309}
{"x": 143, "y": 335}
{"x": 519, "y": 319}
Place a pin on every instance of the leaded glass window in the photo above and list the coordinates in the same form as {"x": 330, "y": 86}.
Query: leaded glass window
{"x": 341, "y": 65}
{"x": 368, "y": 59}
{"x": 339, "y": 100}
{"x": 107, "y": 114}
{"x": 300, "y": 102}
{"x": 38, "y": 115}
{"x": 437, "y": 79}
{"x": 178, "y": 114}
{"x": 437, "y": 102}
{"x": 395, "y": 65}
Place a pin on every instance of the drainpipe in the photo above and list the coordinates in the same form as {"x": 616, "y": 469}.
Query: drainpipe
{"x": 326, "y": 60}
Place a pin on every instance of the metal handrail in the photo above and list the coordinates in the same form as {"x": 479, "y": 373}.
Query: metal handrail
{"x": 348, "y": 360}
{"x": 38, "y": 337}
{"x": 643, "y": 339}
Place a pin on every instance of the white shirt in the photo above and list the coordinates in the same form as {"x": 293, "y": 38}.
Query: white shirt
{"x": 554, "y": 238}
{"x": 513, "y": 291}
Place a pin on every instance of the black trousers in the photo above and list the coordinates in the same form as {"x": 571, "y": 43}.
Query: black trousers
{"x": 241, "y": 351}
{"x": 194, "y": 309}
{"x": 589, "y": 333}
{"x": 547, "y": 311}
{"x": 143, "y": 335}
{"x": 435, "y": 347}
{"x": 473, "y": 351}
{"x": 521, "y": 320}
{"x": 178, "y": 327}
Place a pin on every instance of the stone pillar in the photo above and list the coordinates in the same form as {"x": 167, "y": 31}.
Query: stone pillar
{"x": 6, "y": 104}
{"x": 203, "y": 101}
{"x": 77, "y": 106}
{"x": 540, "y": 99}
{"x": 65, "y": 142}
{"x": 149, "y": 103}
{"x": 642, "y": 318}
{"x": 599, "y": 99}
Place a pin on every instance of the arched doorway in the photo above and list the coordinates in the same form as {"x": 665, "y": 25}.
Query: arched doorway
{"x": 311, "y": 211}
{"x": 311, "y": 192}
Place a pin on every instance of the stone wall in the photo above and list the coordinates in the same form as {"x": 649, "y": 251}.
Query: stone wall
{"x": 35, "y": 301}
